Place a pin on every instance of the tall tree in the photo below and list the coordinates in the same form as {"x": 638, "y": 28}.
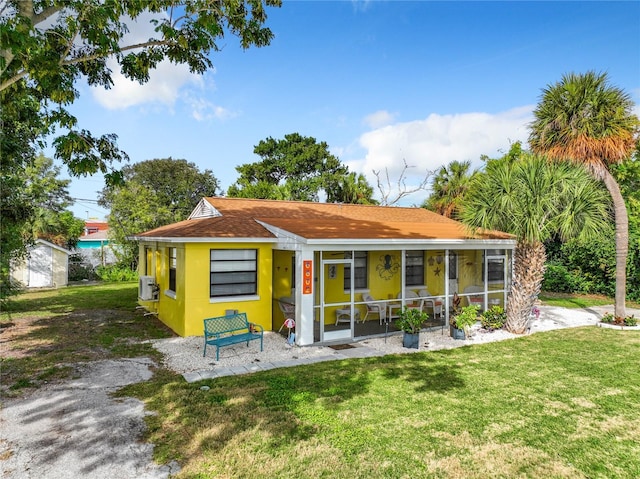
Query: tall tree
{"x": 33, "y": 205}
{"x": 590, "y": 266}
{"x": 295, "y": 168}
{"x": 155, "y": 193}
{"x": 533, "y": 198}
{"x": 450, "y": 184}
{"x": 350, "y": 188}
{"x": 49, "y": 196}
{"x": 584, "y": 119}
{"x": 46, "y": 46}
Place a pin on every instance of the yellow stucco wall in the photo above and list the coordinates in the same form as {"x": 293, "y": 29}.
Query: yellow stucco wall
{"x": 185, "y": 312}
{"x": 282, "y": 283}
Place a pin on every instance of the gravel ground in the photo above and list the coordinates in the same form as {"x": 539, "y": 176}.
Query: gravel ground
{"x": 78, "y": 430}
{"x": 184, "y": 355}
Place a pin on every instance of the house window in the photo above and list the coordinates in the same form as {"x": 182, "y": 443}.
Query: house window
{"x": 453, "y": 265}
{"x": 360, "y": 262}
{"x": 495, "y": 270}
{"x": 148, "y": 254}
{"x": 293, "y": 271}
{"x": 414, "y": 268}
{"x": 173, "y": 260}
{"x": 495, "y": 266}
{"x": 234, "y": 272}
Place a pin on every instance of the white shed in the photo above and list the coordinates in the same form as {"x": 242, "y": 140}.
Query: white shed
{"x": 46, "y": 266}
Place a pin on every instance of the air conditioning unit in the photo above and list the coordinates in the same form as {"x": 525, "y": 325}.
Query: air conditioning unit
{"x": 147, "y": 290}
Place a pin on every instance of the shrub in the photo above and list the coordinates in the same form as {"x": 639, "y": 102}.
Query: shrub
{"x": 410, "y": 320}
{"x": 611, "y": 319}
{"x": 466, "y": 318}
{"x": 79, "y": 269}
{"x": 493, "y": 318}
{"x": 608, "y": 318}
{"x": 559, "y": 279}
{"x": 116, "y": 273}
{"x": 589, "y": 266}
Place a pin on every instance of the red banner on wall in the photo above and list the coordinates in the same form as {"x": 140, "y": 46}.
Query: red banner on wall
{"x": 307, "y": 276}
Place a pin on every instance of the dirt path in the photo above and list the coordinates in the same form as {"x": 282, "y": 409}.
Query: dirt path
{"x": 76, "y": 429}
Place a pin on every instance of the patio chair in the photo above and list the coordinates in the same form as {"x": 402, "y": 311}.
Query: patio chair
{"x": 374, "y": 308}
{"x": 412, "y": 300}
{"x": 474, "y": 299}
{"x": 287, "y": 306}
{"x": 434, "y": 302}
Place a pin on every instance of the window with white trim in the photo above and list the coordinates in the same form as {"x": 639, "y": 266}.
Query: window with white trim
{"x": 496, "y": 260}
{"x": 172, "y": 262}
{"x": 234, "y": 272}
{"x": 414, "y": 268}
{"x": 360, "y": 263}
{"x": 148, "y": 265}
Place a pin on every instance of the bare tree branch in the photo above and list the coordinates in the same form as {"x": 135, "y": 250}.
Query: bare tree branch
{"x": 402, "y": 190}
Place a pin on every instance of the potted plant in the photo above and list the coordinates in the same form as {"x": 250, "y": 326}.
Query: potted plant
{"x": 460, "y": 324}
{"x": 410, "y": 321}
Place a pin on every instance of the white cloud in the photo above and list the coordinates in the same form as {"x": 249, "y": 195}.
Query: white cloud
{"x": 202, "y": 110}
{"x": 437, "y": 140}
{"x": 163, "y": 87}
{"x": 165, "y": 81}
{"x": 379, "y": 119}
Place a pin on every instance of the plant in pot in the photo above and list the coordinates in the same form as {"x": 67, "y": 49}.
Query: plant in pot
{"x": 410, "y": 321}
{"x": 460, "y": 324}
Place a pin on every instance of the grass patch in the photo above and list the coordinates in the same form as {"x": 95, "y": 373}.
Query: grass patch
{"x": 44, "y": 332}
{"x": 567, "y": 300}
{"x": 559, "y": 404}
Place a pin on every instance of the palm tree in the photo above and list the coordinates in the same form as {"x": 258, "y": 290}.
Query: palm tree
{"x": 533, "y": 199}
{"x": 449, "y": 187}
{"x": 350, "y": 188}
{"x": 585, "y": 120}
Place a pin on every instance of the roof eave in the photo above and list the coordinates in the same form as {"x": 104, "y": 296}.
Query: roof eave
{"x": 208, "y": 239}
{"x": 439, "y": 243}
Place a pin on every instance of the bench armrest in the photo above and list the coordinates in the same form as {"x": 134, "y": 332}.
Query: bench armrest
{"x": 255, "y": 327}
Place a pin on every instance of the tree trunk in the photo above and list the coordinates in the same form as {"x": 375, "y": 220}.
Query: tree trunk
{"x": 622, "y": 242}
{"x": 528, "y": 273}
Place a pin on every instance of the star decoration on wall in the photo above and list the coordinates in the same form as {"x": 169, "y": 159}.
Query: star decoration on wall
{"x": 437, "y": 271}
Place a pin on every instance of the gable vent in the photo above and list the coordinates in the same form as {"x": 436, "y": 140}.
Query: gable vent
{"x": 204, "y": 210}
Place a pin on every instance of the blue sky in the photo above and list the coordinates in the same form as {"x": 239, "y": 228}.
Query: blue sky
{"x": 381, "y": 82}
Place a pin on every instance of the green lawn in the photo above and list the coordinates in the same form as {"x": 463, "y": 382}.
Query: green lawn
{"x": 561, "y": 404}
{"x": 566, "y": 300}
{"x": 557, "y": 404}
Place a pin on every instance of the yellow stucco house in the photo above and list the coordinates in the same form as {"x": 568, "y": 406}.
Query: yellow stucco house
{"x": 341, "y": 271}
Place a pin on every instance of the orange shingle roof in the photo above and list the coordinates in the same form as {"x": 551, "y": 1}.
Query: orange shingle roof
{"x": 239, "y": 219}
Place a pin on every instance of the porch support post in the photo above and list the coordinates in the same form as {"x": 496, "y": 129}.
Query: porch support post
{"x": 403, "y": 275}
{"x": 485, "y": 280}
{"x": 304, "y": 302}
{"x": 446, "y": 288}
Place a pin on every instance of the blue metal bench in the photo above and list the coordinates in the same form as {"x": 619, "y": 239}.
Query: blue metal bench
{"x": 228, "y": 330}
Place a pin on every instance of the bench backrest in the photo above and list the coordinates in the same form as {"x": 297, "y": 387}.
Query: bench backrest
{"x": 226, "y": 324}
